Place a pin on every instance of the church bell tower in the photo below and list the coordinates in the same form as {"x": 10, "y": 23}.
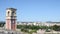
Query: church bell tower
{"x": 11, "y": 19}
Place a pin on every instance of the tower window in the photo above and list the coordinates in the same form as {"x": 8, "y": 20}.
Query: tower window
{"x": 13, "y": 13}
{"x": 8, "y": 13}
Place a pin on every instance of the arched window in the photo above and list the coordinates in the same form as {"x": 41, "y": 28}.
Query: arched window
{"x": 13, "y": 13}
{"x": 8, "y": 13}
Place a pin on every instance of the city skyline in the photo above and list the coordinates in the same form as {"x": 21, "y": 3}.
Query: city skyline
{"x": 32, "y": 10}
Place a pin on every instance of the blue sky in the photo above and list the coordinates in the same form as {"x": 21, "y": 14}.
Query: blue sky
{"x": 32, "y": 10}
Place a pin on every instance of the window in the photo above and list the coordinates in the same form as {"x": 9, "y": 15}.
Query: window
{"x": 12, "y": 13}
{"x": 8, "y": 13}
{"x": 13, "y": 21}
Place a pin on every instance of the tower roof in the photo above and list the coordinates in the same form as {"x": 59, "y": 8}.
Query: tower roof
{"x": 11, "y": 9}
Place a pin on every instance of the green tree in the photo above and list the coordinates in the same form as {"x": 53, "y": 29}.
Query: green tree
{"x": 56, "y": 28}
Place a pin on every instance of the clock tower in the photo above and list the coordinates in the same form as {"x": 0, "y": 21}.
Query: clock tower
{"x": 11, "y": 19}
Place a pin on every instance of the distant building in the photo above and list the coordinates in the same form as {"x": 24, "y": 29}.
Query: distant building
{"x": 39, "y": 23}
{"x": 11, "y": 19}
